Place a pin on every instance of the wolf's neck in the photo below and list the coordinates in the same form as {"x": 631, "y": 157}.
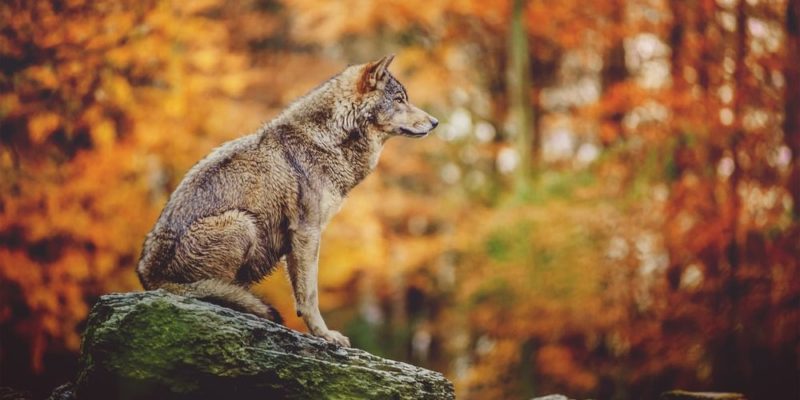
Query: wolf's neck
{"x": 343, "y": 160}
{"x": 361, "y": 152}
{"x": 353, "y": 159}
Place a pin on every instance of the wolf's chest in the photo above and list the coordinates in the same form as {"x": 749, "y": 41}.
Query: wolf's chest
{"x": 329, "y": 204}
{"x": 374, "y": 155}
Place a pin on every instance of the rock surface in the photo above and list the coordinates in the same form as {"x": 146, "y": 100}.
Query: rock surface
{"x": 684, "y": 395}
{"x": 63, "y": 392}
{"x": 7, "y": 393}
{"x": 157, "y": 345}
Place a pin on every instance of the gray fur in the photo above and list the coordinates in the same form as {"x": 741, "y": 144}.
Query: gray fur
{"x": 267, "y": 196}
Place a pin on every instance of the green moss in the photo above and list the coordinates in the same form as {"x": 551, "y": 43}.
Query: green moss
{"x": 157, "y": 345}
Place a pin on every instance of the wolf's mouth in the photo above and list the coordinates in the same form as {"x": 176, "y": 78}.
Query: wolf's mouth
{"x": 410, "y": 133}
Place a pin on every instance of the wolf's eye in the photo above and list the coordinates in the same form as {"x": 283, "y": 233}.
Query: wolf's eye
{"x": 398, "y": 100}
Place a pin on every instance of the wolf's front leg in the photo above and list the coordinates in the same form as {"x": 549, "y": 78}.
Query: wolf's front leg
{"x": 302, "y": 264}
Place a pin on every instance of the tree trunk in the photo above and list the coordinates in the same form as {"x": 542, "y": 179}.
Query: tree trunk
{"x": 526, "y": 140}
{"x": 791, "y": 127}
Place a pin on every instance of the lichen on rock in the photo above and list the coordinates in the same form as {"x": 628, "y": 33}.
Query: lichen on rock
{"x": 158, "y": 345}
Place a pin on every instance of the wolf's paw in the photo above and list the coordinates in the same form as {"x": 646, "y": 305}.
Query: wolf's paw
{"x": 335, "y": 337}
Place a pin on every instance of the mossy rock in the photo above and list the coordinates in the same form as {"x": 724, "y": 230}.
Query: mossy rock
{"x": 684, "y": 395}
{"x": 157, "y": 345}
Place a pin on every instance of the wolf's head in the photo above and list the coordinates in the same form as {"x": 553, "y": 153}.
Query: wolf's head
{"x": 345, "y": 121}
{"x": 363, "y": 101}
{"x": 385, "y": 102}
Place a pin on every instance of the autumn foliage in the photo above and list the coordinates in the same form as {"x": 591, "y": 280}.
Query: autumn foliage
{"x": 94, "y": 95}
{"x": 655, "y": 244}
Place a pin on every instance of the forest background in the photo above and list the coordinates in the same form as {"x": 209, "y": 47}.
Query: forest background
{"x": 609, "y": 209}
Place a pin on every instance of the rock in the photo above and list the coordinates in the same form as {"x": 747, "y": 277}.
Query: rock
{"x": 684, "y": 395}
{"x": 7, "y": 393}
{"x": 158, "y": 345}
{"x": 552, "y": 397}
{"x": 63, "y": 392}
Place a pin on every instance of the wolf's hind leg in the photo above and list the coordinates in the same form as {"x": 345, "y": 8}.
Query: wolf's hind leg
{"x": 214, "y": 247}
{"x": 207, "y": 259}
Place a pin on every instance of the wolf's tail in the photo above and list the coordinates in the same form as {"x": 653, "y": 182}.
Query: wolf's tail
{"x": 224, "y": 294}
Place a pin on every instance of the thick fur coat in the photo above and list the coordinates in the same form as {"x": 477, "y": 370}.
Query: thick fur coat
{"x": 267, "y": 196}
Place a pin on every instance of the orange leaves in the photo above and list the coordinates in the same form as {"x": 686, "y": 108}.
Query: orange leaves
{"x": 328, "y": 22}
{"x": 118, "y": 90}
{"x": 79, "y": 29}
{"x": 486, "y": 378}
{"x": 40, "y": 126}
{"x": 103, "y": 134}
{"x": 43, "y": 76}
{"x": 557, "y": 363}
{"x": 106, "y": 104}
{"x": 9, "y": 103}
{"x": 114, "y": 28}
{"x": 102, "y": 114}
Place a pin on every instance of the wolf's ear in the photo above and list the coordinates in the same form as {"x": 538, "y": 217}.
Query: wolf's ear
{"x": 373, "y": 73}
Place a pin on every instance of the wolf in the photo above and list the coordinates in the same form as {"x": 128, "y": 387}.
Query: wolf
{"x": 265, "y": 198}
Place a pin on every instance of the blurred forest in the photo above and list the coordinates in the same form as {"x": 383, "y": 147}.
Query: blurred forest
{"x": 610, "y": 208}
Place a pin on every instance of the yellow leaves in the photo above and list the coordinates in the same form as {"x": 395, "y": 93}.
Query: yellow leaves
{"x": 146, "y": 51}
{"x": 123, "y": 94}
{"x": 120, "y": 57}
{"x": 103, "y": 134}
{"x": 234, "y": 84}
{"x": 425, "y": 72}
{"x": 119, "y": 90}
{"x": 40, "y": 126}
{"x": 197, "y": 6}
{"x": 43, "y": 75}
{"x": 115, "y": 27}
{"x": 205, "y": 59}
{"x": 327, "y": 22}
{"x": 238, "y": 78}
{"x": 175, "y": 106}
{"x": 496, "y": 14}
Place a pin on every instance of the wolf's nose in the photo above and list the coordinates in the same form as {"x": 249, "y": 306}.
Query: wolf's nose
{"x": 434, "y": 122}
